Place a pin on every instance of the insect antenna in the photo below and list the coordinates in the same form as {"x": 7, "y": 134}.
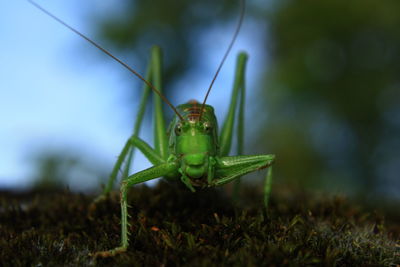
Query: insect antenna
{"x": 109, "y": 54}
{"x": 240, "y": 22}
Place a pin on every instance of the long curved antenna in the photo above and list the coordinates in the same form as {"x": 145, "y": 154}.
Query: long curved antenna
{"x": 240, "y": 22}
{"x": 109, "y": 54}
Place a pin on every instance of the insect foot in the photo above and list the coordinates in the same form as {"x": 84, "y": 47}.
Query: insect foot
{"x": 108, "y": 253}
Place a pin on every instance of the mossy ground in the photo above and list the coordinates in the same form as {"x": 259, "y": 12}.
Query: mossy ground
{"x": 172, "y": 227}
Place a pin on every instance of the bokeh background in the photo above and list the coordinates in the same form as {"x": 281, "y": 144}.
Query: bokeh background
{"x": 323, "y": 85}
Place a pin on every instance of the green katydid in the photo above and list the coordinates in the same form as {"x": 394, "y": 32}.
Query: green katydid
{"x": 191, "y": 149}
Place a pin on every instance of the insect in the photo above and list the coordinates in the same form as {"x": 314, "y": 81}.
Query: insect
{"x": 191, "y": 149}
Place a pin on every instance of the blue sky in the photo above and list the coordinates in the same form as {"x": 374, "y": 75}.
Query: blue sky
{"x": 54, "y": 93}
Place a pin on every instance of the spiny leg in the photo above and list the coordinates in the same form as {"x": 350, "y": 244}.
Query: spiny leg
{"x": 238, "y": 93}
{"x": 157, "y": 156}
{"x": 137, "y": 178}
{"x": 232, "y": 168}
{"x": 128, "y": 150}
{"x": 229, "y": 168}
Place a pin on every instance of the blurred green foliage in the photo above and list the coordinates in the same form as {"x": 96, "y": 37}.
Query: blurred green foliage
{"x": 173, "y": 25}
{"x": 334, "y": 92}
{"x": 331, "y": 80}
{"x": 62, "y": 167}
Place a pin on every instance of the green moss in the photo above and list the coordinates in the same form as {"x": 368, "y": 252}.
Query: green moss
{"x": 171, "y": 226}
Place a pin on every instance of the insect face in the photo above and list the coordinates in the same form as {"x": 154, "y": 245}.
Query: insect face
{"x": 194, "y": 145}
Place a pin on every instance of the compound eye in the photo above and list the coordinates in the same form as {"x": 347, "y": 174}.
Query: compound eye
{"x": 178, "y": 129}
{"x": 207, "y": 127}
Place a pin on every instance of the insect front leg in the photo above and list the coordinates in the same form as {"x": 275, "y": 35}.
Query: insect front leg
{"x": 137, "y": 178}
{"x": 232, "y": 168}
{"x": 132, "y": 143}
{"x": 158, "y": 156}
{"x": 153, "y": 75}
{"x": 138, "y": 124}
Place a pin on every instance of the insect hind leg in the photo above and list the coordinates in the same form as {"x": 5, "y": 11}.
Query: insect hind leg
{"x": 237, "y": 99}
